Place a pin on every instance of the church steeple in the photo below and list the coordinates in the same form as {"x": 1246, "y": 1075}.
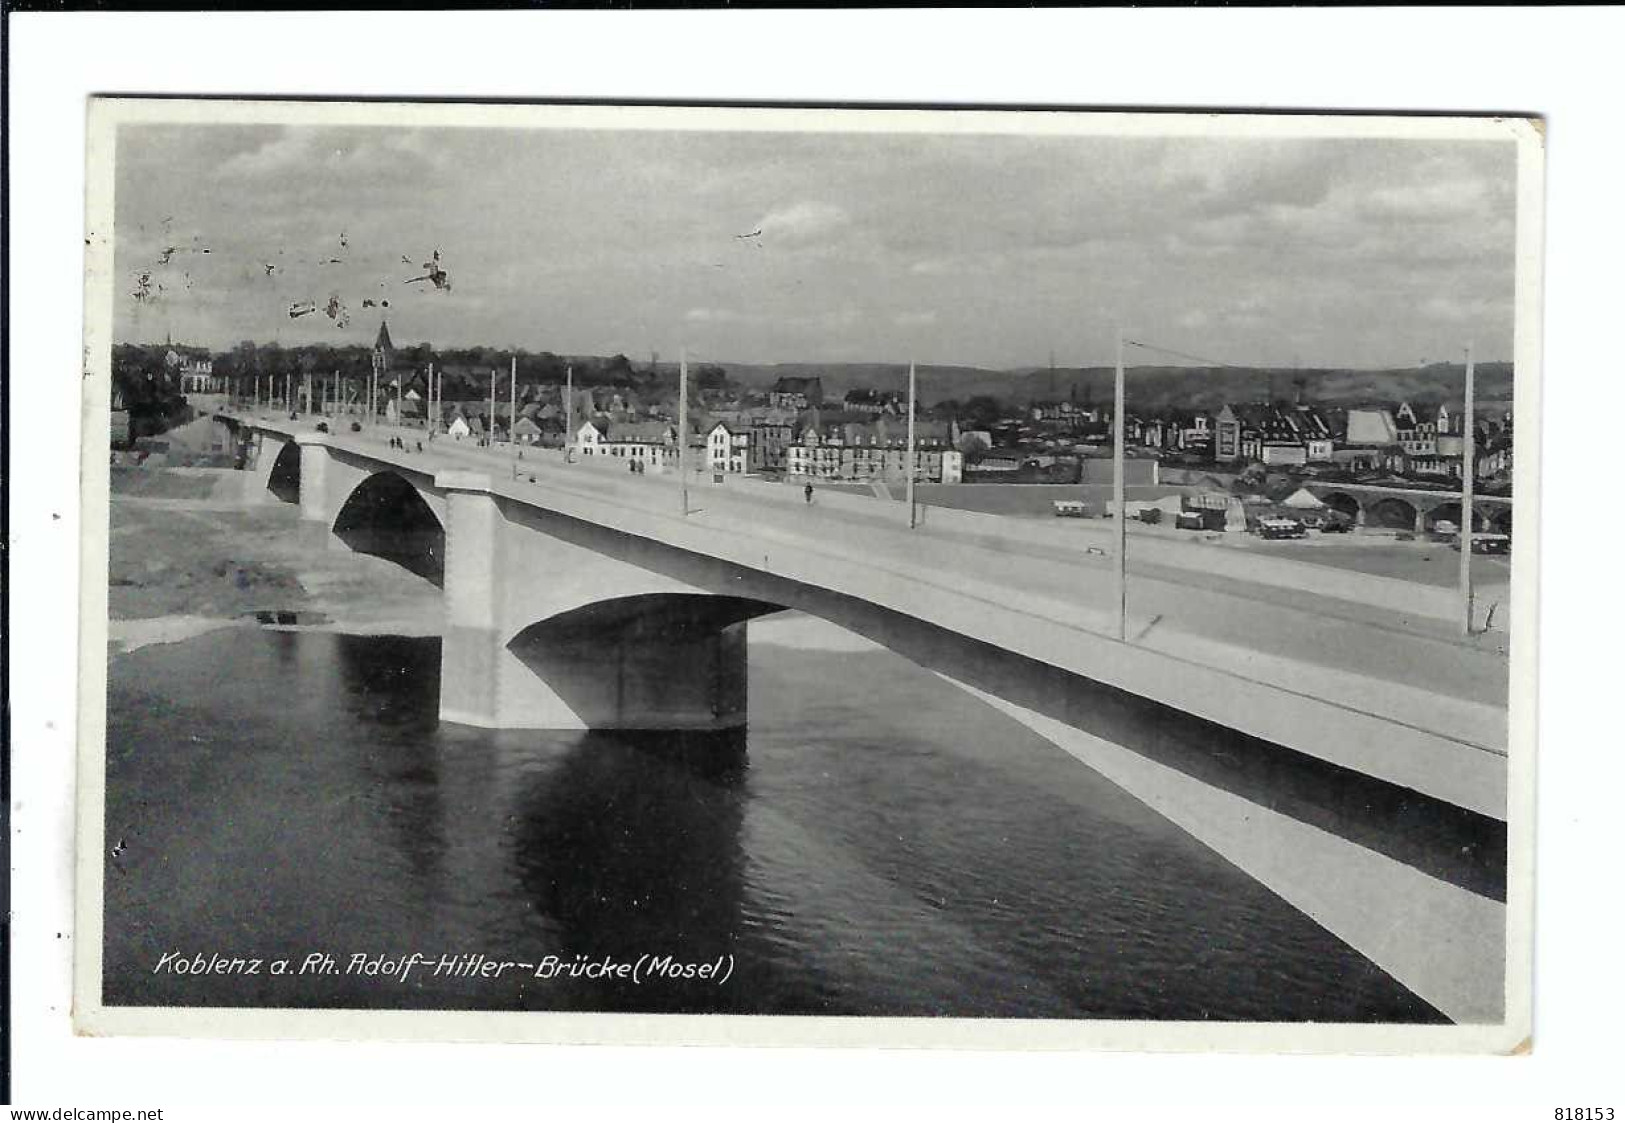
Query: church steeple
{"x": 383, "y": 350}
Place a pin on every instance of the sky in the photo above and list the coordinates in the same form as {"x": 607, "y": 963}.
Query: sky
{"x": 980, "y": 250}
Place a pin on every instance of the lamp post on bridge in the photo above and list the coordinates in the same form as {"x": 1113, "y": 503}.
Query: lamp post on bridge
{"x": 1119, "y": 490}
{"x": 682, "y": 424}
{"x": 569, "y": 410}
{"x": 912, "y": 468}
{"x": 1468, "y": 466}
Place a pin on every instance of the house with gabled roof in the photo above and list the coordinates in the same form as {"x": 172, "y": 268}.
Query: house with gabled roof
{"x": 797, "y": 393}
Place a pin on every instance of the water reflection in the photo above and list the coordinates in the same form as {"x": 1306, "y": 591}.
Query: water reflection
{"x": 877, "y": 843}
{"x": 630, "y": 844}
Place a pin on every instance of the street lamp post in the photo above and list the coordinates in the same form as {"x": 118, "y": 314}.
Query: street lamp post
{"x": 1119, "y": 492}
{"x": 1468, "y": 458}
{"x": 910, "y": 468}
{"x": 569, "y": 409}
{"x": 682, "y": 424}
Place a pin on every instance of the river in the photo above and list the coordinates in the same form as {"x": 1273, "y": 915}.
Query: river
{"x": 877, "y": 843}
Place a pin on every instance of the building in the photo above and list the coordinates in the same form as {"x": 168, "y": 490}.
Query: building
{"x": 772, "y": 432}
{"x": 647, "y": 444}
{"x": 465, "y": 424}
{"x": 1272, "y": 434}
{"x": 728, "y": 448}
{"x": 526, "y": 431}
{"x": 878, "y": 450}
{"x": 797, "y": 393}
{"x": 383, "y": 349}
{"x": 1194, "y": 432}
{"x": 873, "y": 402}
{"x": 198, "y": 377}
{"x": 1418, "y": 437}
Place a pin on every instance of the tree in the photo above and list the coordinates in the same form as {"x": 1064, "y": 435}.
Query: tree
{"x": 1252, "y": 478}
{"x": 972, "y": 445}
{"x": 983, "y": 410}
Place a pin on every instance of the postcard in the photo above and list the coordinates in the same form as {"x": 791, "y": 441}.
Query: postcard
{"x": 807, "y": 575}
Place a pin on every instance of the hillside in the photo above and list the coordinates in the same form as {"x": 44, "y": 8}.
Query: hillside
{"x": 1150, "y": 387}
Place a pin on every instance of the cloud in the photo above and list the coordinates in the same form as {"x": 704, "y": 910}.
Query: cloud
{"x": 1431, "y": 202}
{"x": 376, "y": 155}
{"x": 1463, "y": 309}
{"x": 802, "y": 223}
{"x": 712, "y": 316}
{"x": 569, "y": 237}
{"x": 289, "y": 151}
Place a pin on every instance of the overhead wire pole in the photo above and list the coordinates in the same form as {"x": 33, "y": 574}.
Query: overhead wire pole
{"x": 491, "y": 426}
{"x": 569, "y": 408}
{"x": 1119, "y": 492}
{"x": 682, "y": 423}
{"x": 1468, "y": 464}
{"x": 513, "y": 400}
{"x": 910, "y": 469}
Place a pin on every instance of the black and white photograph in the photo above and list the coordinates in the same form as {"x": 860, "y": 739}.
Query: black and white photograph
{"x": 883, "y": 576}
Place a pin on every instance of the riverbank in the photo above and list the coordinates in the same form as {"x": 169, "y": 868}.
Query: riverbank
{"x": 186, "y": 557}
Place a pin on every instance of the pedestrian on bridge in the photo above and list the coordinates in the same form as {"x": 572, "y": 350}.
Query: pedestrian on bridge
{"x": 808, "y": 493}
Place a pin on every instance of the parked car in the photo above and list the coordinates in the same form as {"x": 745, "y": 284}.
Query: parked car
{"x": 1276, "y": 527}
{"x": 1486, "y": 544}
{"x": 1189, "y": 520}
{"x": 1327, "y": 522}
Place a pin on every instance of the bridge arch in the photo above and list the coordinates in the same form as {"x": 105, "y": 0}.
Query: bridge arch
{"x": 649, "y": 660}
{"x": 1445, "y": 512}
{"x": 1343, "y": 503}
{"x": 387, "y": 517}
{"x": 1392, "y": 513}
{"x": 284, "y": 477}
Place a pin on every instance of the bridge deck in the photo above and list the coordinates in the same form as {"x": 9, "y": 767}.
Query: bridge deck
{"x": 1384, "y": 691}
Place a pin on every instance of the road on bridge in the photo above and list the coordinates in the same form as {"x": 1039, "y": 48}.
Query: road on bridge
{"x": 1379, "y": 661}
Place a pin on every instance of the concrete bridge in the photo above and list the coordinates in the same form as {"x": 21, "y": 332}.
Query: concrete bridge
{"x": 580, "y": 597}
{"x": 1412, "y": 508}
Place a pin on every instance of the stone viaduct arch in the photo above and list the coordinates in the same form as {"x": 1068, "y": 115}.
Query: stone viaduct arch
{"x": 1415, "y": 510}
{"x": 1392, "y": 512}
{"x": 1346, "y": 505}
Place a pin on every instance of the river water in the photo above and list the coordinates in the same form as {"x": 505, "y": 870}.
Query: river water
{"x": 877, "y": 843}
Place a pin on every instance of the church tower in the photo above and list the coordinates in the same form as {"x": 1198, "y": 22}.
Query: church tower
{"x": 383, "y": 351}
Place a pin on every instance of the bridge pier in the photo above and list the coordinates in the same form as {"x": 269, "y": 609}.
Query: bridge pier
{"x": 471, "y": 639}
{"x": 265, "y": 448}
{"x": 567, "y": 638}
{"x": 317, "y": 507}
